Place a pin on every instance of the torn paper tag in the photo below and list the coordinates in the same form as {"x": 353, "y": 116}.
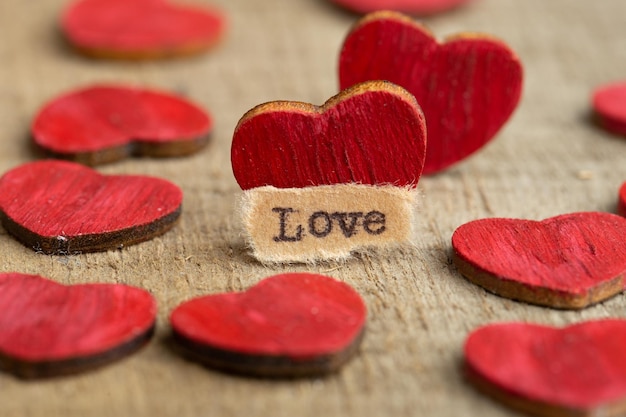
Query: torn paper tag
{"x": 326, "y": 222}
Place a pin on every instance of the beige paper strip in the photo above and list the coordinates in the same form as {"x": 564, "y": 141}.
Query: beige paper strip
{"x": 326, "y": 222}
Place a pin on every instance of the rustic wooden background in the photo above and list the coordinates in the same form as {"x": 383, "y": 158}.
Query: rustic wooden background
{"x": 548, "y": 160}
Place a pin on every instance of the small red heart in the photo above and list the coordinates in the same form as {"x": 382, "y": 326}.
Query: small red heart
{"x": 546, "y": 371}
{"x": 106, "y": 123}
{"x": 420, "y": 7}
{"x": 568, "y": 261}
{"x": 609, "y": 104}
{"x": 61, "y": 207}
{"x": 48, "y": 329}
{"x": 372, "y": 133}
{"x": 289, "y": 324}
{"x": 139, "y": 29}
{"x": 468, "y": 86}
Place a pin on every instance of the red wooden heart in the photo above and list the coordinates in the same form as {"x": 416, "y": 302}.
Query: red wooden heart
{"x": 289, "y": 324}
{"x": 468, "y": 86}
{"x": 61, "y": 207}
{"x": 47, "y": 328}
{"x": 568, "y": 261}
{"x": 574, "y": 371}
{"x": 609, "y": 103}
{"x": 420, "y": 7}
{"x": 139, "y": 29}
{"x": 372, "y": 133}
{"x": 105, "y": 123}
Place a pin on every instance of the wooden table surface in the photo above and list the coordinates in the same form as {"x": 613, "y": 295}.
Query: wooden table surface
{"x": 548, "y": 160}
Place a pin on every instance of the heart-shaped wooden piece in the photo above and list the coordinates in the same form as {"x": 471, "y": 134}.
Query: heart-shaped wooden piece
{"x": 60, "y": 207}
{"x": 286, "y": 325}
{"x": 572, "y": 371}
{"x": 568, "y": 261}
{"x": 140, "y": 29}
{"x": 373, "y": 133}
{"x": 418, "y": 7}
{"x": 468, "y": 86}
{"x": 49, "y": 329}
{"x": 609, "y": 104}
{"x": 106, "y": 123}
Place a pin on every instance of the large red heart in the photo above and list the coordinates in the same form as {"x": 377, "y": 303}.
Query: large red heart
{"x": 62, "y": 207}
{"x": 289, "y": 324}
{"x": 137, "y": 29}
{"x": 372, "y": 133}
{"x": 574, "y": 371}
{"x": 468, "y": 86}
{"x": 421, "y": 7}
{"x": 568, "y": 261}
{"x": 47, "y": 328}
{"x": 105, "y": 123}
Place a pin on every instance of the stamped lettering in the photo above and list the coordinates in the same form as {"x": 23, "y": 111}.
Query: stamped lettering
{"x": 325, "y": 222}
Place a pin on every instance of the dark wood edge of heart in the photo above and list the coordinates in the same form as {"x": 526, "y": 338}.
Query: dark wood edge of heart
{"x": 57, "y": 245}
{"x": 46, "y": 369}
{"x": 167, "y": 52}
{"x": 134, "y": 148}
{"x": 537, "y": 407}
{"x": 537, "y": 295}
{"x": 265, "y": 366}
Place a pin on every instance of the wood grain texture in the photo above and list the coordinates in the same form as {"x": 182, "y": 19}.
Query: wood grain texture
{"x": 568, "y": 261}
{"x": 467, "y": 86}
{"x": 140, "y": 29}
{"x": 106, "y": 123}
{"x": 551, "y": 372}
{"x": 47, "y": 329}
{"x": 58, "y": 207}
{"x": 372, "y": 133}
{"x": 286, "y": 325}
{"x": 548, "y": 160}
{"x": 609, "y": 104}
{"x": 418, "y": 7}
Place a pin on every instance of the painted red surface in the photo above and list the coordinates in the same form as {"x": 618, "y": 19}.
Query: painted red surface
{"x": 57, "y": 198}
{"x": 580, "y": 367}
{"x": 101, "y": 117}
{"x": 295, "y": 315}
{"x": 41, "y": 320}
{"x": 373, "y": 133}
{"x": 569, "y": 254}
{"x": 468, "y": 86}
{"x": 141, "y": 27}
{"x": 621, "y": 203}
{"x": 420, "y": 7}
{"x": 609, "y": 104}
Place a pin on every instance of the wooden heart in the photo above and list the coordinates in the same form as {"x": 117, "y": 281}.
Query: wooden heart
{"x": 61, "y": 207}
{"x": 373, "y": 133}
{"x": 289, "y": 324}
{"x": 609, "y": 104}
{"x": 418, "y": 7}
{"x": 568, "y": 261}
{"x": 106, "y": 123}
{"x": 546, "y": 371}
{"x": 49, "y": 329}
{"x": 468, "y": 86}
{"x": 140, "y": 29}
